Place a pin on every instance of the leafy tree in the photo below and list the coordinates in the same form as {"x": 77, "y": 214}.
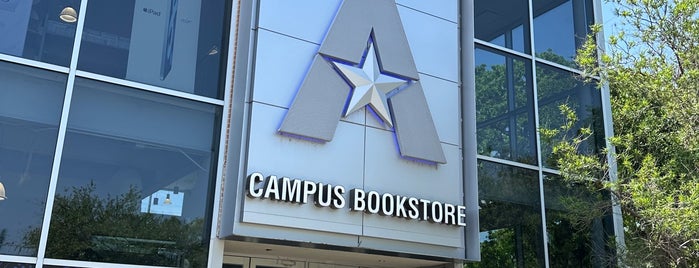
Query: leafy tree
{"x": 652, "y": 72}
{"x": 90, "y": 227}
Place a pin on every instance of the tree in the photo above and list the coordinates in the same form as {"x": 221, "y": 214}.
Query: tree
{"x": 90, "y": 227}
{"x": 651, "y": 68}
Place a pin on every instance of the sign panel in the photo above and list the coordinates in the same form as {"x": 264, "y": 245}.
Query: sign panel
{"x": 353, "y": 128}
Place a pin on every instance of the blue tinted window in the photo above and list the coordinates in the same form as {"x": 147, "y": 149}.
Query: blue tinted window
{"x": 557, "y": 87}
{"x": 505, "y": 107}
{"x": 16, "y": 265}
{"x": 30, "y": 108}
{"x": 510, "y": 217}
{"x": 503, "y": 22}
{"x": 175, "y": 44}
{"x": 39, "y": 30}
{"x": 575, "y": 240}
{"x": 560, "y": 27}
{"x": 135, "y": 179}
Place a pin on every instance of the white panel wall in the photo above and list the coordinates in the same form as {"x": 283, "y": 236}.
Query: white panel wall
{"x": 363, "y": 154}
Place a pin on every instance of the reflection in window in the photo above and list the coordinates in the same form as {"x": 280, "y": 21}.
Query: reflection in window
{"x": 510, "y": 217}
{"x": 34, "y": 30}
{"x": 30, "y": 108}
{"x": 503, "y": 22}
{"x": 557, "y": 87}
{"x": 579, "y": 225}
{"x": 164, "y": 202}
{"x": 175, "y": 44}
{"x": 560, "y": 28}
{"x": 505, "y": 107}
{"x": 16, "y": 265}
{"x": 123, "y": 146}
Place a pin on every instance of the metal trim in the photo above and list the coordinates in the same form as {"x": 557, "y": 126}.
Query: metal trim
{"x": 507, "y": 162}
{"x": 151, "y": 88}
{"x": 216, "y": 246}
{"x": 33, "y": 63}
{"x": 503, "y": 49}
{"x": 469, "y": 129}
{"x": 58, "y": 154}
{"x": 538, "y": 138}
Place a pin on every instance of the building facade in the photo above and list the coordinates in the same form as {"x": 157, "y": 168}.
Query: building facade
{"x": 314, "y": 133}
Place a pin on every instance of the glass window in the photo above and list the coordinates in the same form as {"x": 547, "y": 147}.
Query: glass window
{"x": 560, "y": 27}
{"x": 30, "y": 109}
{"x": 39, "y": 30}
{"x": 503, "y": 22}
{"x": 175, "y": 44}
{"x": 135, "y": 184}
{"x": 579, "y": 225}
{"x": 16, "y": 265}
{"x": 557, "y": 87}
{"x": 510, "y": 217}
{"x": 505, "y": 107}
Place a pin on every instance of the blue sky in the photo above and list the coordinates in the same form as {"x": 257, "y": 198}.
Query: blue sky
{"x": 608, "y": 18}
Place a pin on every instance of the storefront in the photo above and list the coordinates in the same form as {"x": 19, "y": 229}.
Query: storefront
{"x": 273, "y": 133}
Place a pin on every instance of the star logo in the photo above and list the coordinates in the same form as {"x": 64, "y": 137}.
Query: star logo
{"x": 370, "y": 86}
{"x": 345, "y": 67}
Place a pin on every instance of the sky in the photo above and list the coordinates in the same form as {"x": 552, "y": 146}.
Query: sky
{"x": 608, "y": 18}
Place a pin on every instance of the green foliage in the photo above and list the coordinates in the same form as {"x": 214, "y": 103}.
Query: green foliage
{"x": 90, "y": 227}
{"x": 652, "y": 71}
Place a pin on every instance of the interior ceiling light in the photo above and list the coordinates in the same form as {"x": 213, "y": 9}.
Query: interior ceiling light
{"x": 2, "y": 192}
{"x": 213, "y": 50}
{"x": 68, "y": 14}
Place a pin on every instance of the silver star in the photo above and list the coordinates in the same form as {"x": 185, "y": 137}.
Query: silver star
{"x": 370, "y": 86}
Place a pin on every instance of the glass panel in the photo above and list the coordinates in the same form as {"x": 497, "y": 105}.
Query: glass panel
{"x": 136, "y": 178}
{"x": 175, "y": 44}
{"x": 557, "y": 87}
{"x": 503, "y": 22}
{"x": 30, "y": 109}
{"x": 16, "y": 265}
{"x": 560, "y": 27}
{"x": 579, "y": 225}
{"x": 505, "y": 107}
{"x": 510, "y": 217}
{"x": 39, "y": 30}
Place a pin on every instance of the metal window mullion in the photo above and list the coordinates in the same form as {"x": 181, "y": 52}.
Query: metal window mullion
{"x": 511, "y": 106}
{"x": 617, "y": 218}
{"x": 63, "y": 124}
{"x": 216, "y": 247}
{"x": 17, "y": 259}
{"x": 469, "y": 169}
{"x": 502, "y": 49}
{"x": 33, "y": 63}
{"x": 507, "y": 162}
{"x": 542, "y": 205}
{"x": 563, "y": 67}
{"x": 150, "y": 88}
{"x": 73, "y": 263}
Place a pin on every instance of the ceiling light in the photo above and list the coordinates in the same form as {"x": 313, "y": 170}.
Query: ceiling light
{"x": 2, "y": 192}
{"x": 68, "y": 14}
{"x": 213, "y": 50}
